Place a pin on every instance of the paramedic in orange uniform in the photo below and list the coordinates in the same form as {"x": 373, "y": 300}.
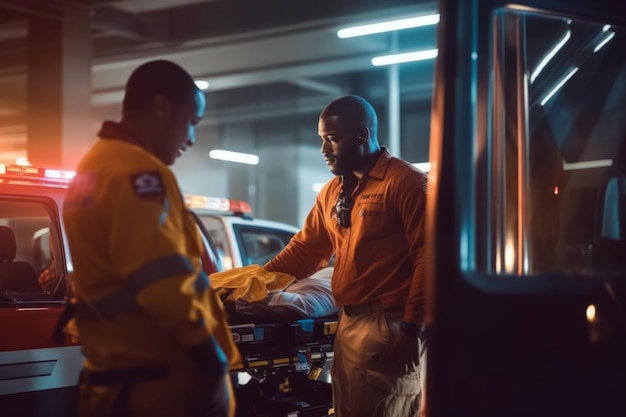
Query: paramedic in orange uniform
{"x": 153, "y": 333}
{"x": 371, "y": 216}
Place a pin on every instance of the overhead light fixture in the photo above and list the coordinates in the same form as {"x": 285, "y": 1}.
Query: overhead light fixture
{"x": 407, "y": 23}
{"x": 560, "y": 84}
{"x": 202, "y": 84}
{"x": 404, "y": 57}
{"x": 230, "y": 156}
{"x": 556, "y": 48}
{"x": 598, "y": 163}
{"x": 604, "y": 40}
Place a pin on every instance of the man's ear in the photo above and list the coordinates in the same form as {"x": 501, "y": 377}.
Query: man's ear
{"x": 162, "y": 106}
{"x": 364, "y": 135}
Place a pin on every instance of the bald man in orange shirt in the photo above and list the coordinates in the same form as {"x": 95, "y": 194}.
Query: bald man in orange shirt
{"x": 371, "y": 217}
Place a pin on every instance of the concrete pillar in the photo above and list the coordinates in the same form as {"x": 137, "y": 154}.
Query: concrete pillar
{"x": 59, "y": 117}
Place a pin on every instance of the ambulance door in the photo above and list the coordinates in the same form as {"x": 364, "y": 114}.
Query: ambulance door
{"x": 526, "y": 210}
{"x": 38, "y": 376}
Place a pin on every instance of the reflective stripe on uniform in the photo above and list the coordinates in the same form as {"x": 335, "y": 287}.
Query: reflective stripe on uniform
{"x": 158, "y": 269}
{"x": 166, "y": 209}
{"x": 116, "y": 303}
{"x": 123, "y": 301}
{"x": 201, "y": 283}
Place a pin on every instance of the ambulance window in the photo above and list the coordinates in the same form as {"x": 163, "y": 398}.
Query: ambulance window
{"x": 557, "y": 157}
{"x": 210, "y": 258}
{"x": 260, "y": 244}
{"x": 30, "y": 268}
{"x": 219, "y": 237}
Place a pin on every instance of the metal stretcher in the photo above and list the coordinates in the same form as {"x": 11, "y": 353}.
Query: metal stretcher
{"x": 278, "y": 343}
{"x": 286, "y": 365}
{"x": 285, "y": 340}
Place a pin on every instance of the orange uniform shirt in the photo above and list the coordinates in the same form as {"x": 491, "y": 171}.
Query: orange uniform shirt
{"x": 380, "y": 257}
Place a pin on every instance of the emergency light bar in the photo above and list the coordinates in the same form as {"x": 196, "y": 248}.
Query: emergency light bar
{"x": 35, "y": 174}
{"x": 217, "y": 204}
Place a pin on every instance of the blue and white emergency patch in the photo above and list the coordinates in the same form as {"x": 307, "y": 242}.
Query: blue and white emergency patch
{"x": 148, "y": 185}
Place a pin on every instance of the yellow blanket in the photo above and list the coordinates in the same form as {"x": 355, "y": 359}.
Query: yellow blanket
{"x": 250, "y": 283}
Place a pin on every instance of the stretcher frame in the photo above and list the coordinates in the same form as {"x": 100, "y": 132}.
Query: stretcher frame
{"x": 295, "y": 344}
{"x": 279, "y": 354}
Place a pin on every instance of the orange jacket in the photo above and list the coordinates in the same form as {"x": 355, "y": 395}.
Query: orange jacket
{"x": 380, "y": 257}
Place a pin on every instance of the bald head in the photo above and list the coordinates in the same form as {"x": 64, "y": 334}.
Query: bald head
{"x": 353, "y": 112}
{"x": 348, "y": 129}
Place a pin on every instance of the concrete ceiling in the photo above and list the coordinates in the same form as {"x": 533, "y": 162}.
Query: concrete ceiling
{"x": 232, "y": 44}
{"x": 239, "y": 46}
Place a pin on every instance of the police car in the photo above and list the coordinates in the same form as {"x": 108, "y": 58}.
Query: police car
{"x": 38, "y": 377}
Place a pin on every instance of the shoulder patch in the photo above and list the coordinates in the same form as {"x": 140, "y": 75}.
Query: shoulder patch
{"x": 148, "y": 184}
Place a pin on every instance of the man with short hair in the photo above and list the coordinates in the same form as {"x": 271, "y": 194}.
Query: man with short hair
{"x": 371, "y": 217}
{"x": 154, "y": 335}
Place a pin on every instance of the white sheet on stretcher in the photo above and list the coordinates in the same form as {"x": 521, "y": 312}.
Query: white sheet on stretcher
{"x": 312, "y": 296}
{"x": 309, "y": 297}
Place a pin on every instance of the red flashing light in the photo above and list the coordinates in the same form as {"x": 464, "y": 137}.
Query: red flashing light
{"x": 217, "y": 204}
{"x": 240, "y": 206}
{"x": 30, "y": 173}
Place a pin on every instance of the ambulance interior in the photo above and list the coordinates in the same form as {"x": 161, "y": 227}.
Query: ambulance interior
{"x": 28, "y": 236}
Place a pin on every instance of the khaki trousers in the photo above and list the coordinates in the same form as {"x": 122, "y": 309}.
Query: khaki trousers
{"x": 366, "y": 382}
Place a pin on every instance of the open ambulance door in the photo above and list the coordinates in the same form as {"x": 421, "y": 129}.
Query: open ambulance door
{"x": 527, "y": 259}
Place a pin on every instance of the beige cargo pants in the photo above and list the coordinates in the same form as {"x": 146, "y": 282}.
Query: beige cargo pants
{"x": 366, "y": 382}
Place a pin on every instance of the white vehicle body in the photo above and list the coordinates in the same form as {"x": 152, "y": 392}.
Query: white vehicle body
{"x": 242, "y": 240}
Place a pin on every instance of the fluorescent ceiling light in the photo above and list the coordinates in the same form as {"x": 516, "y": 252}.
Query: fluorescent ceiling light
{"x": 408, "y": 23}
{"x": 404, "y": 57}
{"x": 559, "y": 85}
{"x": 556, "y": 48}
{"x": 423, "y": 166}
{"x": 599, "y": 163}
{"x": 230, "y": 156}
{"x": 202, "y": 84}
{"x": 604, "y": 41}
